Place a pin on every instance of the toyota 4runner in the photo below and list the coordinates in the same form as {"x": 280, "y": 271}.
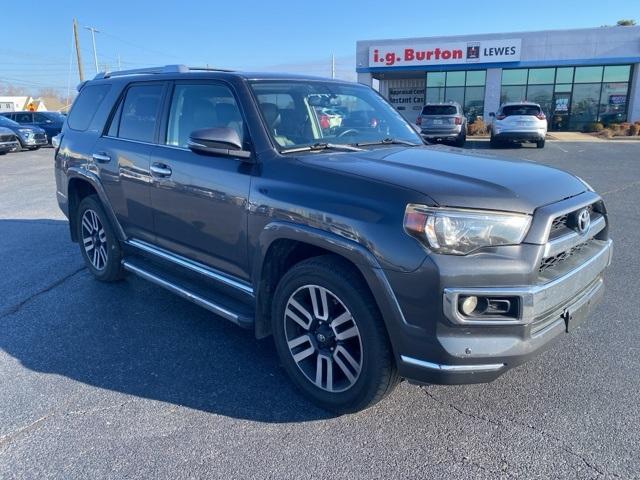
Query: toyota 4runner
{"x": 366, "y": 255}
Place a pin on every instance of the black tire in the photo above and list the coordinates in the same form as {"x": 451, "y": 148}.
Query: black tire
{"x": 540, "y": 143}
{"x": 377, "y": 375}
{"x": 494, "y": 142}
{"x": 3, "y": 153}
{"x": 33, "y": 149}
{"x": 105, "y": 263}
{"x": 460, "y": 140}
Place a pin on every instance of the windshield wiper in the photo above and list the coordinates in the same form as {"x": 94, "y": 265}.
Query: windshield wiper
{"x": 388, "y": 141}
{"x": 323, "y": 146}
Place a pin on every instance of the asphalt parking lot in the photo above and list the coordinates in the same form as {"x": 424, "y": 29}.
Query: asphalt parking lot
{"x": 126, "y": 380}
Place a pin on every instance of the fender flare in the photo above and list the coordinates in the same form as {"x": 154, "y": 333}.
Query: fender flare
{"x": 356, "y": 253}
{"x": 94, "y": 181}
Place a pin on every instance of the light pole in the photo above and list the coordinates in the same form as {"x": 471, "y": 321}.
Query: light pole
{"x": 93, "y": 37}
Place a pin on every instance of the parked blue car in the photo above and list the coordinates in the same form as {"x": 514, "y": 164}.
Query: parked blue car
{"x": 30, "y": 137}
{"x": 50, "y": 122}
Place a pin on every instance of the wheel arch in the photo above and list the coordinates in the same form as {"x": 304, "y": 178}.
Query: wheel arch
{"x": 282, "y": 245}
{"x": 81, "y": 184}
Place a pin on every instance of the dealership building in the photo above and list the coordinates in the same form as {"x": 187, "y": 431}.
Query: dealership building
{"x": 578, "y": 76}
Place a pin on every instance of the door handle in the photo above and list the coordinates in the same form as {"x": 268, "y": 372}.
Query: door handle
{"x": 160, "y": 170}
{"x": 101, "y": 157}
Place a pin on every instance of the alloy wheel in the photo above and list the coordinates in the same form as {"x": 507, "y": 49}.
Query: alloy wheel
{"x": 94, "y": 239}
{"x": 323, "y": 338}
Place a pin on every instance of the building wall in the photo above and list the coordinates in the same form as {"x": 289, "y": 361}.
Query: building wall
{"x": 554, "y": 48}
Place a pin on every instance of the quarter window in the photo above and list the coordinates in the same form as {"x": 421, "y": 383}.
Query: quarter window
{"x": 140, "y": 113}
{"x": 86, "y": 106}
{"x": 194, "y": 107}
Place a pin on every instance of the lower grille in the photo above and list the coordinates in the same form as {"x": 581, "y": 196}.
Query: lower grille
{"x": 40, "y": 136}
{"x": 7, "y": 138}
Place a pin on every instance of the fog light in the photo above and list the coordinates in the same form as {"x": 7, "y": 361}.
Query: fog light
{"x": 468, "y": 304}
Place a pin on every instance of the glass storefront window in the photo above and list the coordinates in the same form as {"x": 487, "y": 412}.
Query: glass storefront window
{"x": 617, "y": 73}
{"x": 542, "y": 76}
{"x": 588, "y": 75}
{"x": 473, "y": 103}
{"x": 454, "y": 94}
{"x": 563, "y": 87}
{"x": 584, "y": 105}
{"x": 476, "y": 78}
{"x": 435, "y": 79}
{"x": 564, "y": 75}
{"x": 514, "y": 77}
{"x": 613, "y": 103}
{"x": 455, "y": 79}
{"x": 542, "y": 95}
{"x": 513, "y": 93}
{"x": 435, "y": 95}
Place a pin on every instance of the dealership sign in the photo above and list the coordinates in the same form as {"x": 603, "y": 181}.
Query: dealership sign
{"x": 419, "y": 54}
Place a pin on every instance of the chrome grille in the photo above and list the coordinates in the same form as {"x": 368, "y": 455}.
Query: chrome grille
{"x": 563, "y": 224}
{"x": 7, "y": 138}
{"x": 551, "y": 262}
{"x": 40, "y": 136}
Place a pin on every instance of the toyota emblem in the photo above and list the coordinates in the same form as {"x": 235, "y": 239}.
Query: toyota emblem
{"x": 584, "y": 221}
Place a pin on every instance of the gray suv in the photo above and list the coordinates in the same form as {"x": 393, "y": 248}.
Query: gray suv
{"x": 443, "y": 122}
{"x": 366, "y": 255}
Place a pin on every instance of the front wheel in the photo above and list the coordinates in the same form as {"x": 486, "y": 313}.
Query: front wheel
{"x": 540, "y": 143}
{"x": 494, "y": 142}
{"x": 99, "y": 246}
{"x": 330, "y": 336}
{"x": 33, "y": 149}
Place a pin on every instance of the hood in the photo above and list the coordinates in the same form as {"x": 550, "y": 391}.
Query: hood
{"x": 457, "y": 179}
{"x": 30, "y": 127}
{"x": 5, "y": 131}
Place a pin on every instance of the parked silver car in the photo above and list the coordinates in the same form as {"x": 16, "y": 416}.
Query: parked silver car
{"x": 443, "y": 122}
{"x": 519, "y": 122}
{"x": 8, "y": 141}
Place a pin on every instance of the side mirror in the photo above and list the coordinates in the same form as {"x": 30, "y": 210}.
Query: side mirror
{"x": 492, "y": 114}
{"x": 218, "y": 141}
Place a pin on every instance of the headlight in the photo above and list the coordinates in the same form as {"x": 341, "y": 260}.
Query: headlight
{"x": 460, "y": 231}
{"x": 25, "y": 131}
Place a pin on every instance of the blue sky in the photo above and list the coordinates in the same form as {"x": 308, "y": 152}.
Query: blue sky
{"x": 289, "y": 35}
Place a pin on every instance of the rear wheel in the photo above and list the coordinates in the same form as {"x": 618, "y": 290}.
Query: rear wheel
{"x": 461, "y": 139}
{"x": 330, "y": 336}
{"x": 99, "y": 246}
{"x": 494, "y": 142}
{"x": 540, "y": 143}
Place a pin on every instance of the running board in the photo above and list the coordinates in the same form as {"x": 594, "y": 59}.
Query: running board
{"x": 173, "y": 285}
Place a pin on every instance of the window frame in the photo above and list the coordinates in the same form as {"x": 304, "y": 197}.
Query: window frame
{"x": 116, "y": 110}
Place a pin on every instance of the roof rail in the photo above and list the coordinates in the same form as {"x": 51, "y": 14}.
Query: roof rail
{"x": 156, "y": 70}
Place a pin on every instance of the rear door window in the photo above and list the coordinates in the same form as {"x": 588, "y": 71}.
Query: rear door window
{"x": 139, "y": 115}
{"x": 86, "y": 106}
{"x": 439, "y": 110}
{"x": 24, "y": 117}
{"x": 510, "y": 110}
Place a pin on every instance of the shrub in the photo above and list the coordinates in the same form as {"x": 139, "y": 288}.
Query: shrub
{"x": 593, "y": 127}
{"x": 478, "y": 127}
{"x": 606, "y": 133}
{"x": 634, "y": 130}
{"x": 623, "y": 129}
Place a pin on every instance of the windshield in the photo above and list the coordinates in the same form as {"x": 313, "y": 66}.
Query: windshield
{"x": 304, "y": 113}
{"x": 6, "y": 122}
{"x": 439, "y": 110}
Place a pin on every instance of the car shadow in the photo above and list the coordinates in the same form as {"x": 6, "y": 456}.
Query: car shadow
{"x": 135, "y": 338}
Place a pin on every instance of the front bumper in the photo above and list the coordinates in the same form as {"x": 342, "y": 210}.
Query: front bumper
{"x": 448, "y": 351}
{"x": 9, "y": 146}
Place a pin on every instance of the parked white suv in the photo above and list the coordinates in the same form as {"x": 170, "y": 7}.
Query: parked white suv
{"x": 519, "y": 122}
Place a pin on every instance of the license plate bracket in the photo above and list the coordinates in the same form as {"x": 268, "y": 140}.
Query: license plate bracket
{"x": 575, "y": 314}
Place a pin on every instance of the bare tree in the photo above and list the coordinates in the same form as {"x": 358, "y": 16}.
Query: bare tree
{"x": 626, "y": 23}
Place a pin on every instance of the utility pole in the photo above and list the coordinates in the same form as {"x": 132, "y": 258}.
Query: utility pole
{"x": 333, "y": 66}
{"x": 75, "y": 37}
{"x": 93, "y": 37}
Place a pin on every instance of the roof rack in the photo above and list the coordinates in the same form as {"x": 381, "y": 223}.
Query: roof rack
{"x": 157, "y": 70}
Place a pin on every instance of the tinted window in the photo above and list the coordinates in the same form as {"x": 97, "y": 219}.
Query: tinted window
{"x": 7, "y": 122}
{"x": 194, "y": 107}
{"x": 140, "y": 112}
{"x": 439, "y": 110}
{"x": 520, "y": 110}
{"x": 86, "y": 106}
{"x": 24, "y": 117}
